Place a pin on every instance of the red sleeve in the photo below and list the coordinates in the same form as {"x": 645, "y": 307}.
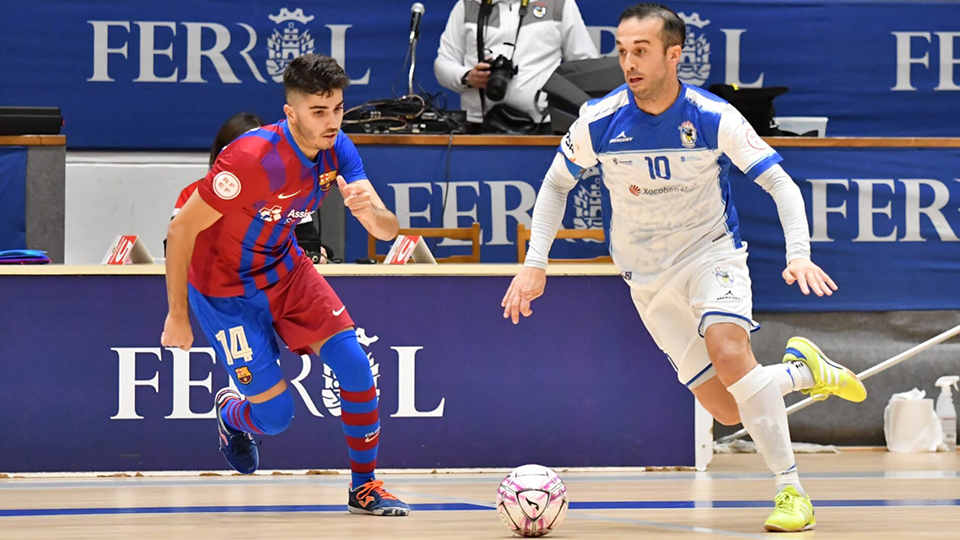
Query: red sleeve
{"x": 237, "y": 180}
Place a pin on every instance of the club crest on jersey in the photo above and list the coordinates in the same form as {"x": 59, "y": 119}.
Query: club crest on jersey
{"x": 539, "y": 11}
{"x": 724, "y": 277}
{"x": 226, "y": 185}
{"x": 271, "y": 214}
{"x": 327, "y": 180}
{"x": 244, "y": 375}
{"x": 688, "y": 134}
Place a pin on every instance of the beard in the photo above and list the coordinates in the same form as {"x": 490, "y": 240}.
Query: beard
{"x": 323, "y": 143}
{"x": 327, "y": 144}
{"x": 315, "y": 139}
{"x": 651, "y": 90}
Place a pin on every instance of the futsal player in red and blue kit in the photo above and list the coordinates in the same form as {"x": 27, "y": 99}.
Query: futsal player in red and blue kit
{"x": 232, "y": 256}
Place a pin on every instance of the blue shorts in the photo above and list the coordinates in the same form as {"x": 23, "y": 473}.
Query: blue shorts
{"x": 301, "y": 307}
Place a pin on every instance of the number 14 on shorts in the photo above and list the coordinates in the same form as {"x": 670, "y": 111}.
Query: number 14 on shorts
{"x": 237, "y": 349}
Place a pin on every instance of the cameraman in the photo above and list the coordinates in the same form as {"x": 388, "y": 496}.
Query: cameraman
{"x": 552, "y": 30}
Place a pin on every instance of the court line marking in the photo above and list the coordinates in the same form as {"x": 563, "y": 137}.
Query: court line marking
{"x": 286, "y": 508}
{"x": 453, "y": 504}
{"x": 582, "y": 515}
{"x": 325, "y": 480}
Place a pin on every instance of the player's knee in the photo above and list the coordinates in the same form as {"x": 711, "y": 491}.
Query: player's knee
{"x": 725, "y": 352}
{"x": 730, "y": 358}
{"x": 349, "y": 363}
{"x": 274, "y": 415}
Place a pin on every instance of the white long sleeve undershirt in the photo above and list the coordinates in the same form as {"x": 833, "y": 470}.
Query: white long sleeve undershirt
{"x": 790, "y": 208}
{"x": 548, "y": 211}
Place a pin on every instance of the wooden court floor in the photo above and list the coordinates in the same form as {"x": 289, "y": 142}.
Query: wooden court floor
{"x": 858, "y": 495}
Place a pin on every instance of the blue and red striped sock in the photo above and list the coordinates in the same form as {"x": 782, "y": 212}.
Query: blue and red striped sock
{"x": 266, "y": 418}
{"x": 358, "y": 402}
{"x": 237, "y": 415}
{"x": 361, "y": 425}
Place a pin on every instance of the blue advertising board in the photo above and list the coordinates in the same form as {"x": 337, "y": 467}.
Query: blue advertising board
{"x": 87, "y": 387}
{"x": 165, "y": 75}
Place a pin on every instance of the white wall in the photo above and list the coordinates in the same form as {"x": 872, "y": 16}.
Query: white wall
{"x": 111, "y": 193}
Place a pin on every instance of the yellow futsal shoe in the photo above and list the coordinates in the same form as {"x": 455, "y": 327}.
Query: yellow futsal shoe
{"x": 793, "y": 512}
{"x": 830, "y": 378}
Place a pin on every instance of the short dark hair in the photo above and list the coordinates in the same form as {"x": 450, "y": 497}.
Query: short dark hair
{"x": 674, "y": 30}
{"x": 234, "y": 127}
{"x": 314, "y": 74}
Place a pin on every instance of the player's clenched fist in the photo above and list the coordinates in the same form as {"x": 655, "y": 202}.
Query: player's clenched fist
{"x": 526, "y": 287}
{"x": 355, "y": 198}
{"x": 177, "y": 333}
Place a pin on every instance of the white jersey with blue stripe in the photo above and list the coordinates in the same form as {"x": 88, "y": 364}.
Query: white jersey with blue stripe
{"x": 666, "y": 174}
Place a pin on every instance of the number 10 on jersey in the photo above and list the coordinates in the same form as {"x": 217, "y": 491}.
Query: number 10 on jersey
{"x": 237, "y": 349}
{"x": 659, "y": 167}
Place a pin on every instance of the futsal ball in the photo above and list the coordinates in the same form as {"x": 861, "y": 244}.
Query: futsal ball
{"x": 532, "y": 500}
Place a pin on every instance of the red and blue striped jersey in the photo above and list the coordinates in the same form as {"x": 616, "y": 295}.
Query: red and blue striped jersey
{"x": 263, "y": 185}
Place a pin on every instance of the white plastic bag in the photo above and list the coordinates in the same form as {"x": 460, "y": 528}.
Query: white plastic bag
{"x": 910, "y": 423}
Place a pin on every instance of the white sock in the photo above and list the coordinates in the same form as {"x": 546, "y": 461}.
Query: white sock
{"x": 765, "y": 417}
{"x": 790, "y": 477}
{"x": 791, "y": 376}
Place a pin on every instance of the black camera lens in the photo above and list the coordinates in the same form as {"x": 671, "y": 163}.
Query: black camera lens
{"x": 497, "y": 86}
{"x": 501, "y": 71}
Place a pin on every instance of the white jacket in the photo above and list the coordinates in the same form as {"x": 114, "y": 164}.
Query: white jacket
{"x": 553, "y": 30}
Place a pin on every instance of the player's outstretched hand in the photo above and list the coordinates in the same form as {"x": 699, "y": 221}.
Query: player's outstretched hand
{"x": 177, "y": 333}
{"x": 355, "y": 198}
{"x": 526, "y": 287}
{"x": 809, "y": 276}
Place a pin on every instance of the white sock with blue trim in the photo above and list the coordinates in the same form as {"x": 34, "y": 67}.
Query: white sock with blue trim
{"x": 791, "y": 376}
{"x": 764, "y": 415}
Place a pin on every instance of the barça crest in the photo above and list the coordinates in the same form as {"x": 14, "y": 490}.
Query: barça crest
{"x": 244, "y": 375}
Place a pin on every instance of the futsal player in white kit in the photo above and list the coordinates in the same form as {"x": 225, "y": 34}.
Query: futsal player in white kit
{"x": 664, "y": 149}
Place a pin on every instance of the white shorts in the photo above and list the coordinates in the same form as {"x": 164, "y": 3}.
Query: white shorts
{"x": 680, "y": 303}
